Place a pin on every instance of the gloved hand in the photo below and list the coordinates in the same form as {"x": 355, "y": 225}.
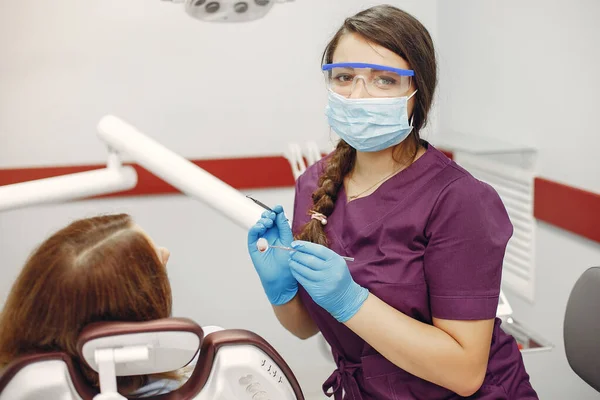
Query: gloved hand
{"x": 272, "y": 265}
{"x": 325, "y": 276}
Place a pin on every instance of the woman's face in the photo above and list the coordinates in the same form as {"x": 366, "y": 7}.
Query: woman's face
{"x": 354, "y": 48}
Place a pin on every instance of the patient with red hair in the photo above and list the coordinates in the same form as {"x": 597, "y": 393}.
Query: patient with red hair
{"x": 104, "y": 268}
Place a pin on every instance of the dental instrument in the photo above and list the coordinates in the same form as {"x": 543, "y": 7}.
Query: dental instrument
{"x": 263, "y": 205}
{"x": 292, "y": 249}
{"x": 262, "y": 245}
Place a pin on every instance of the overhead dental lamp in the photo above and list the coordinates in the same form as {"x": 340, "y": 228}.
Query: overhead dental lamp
{"x": 228, "y": 10}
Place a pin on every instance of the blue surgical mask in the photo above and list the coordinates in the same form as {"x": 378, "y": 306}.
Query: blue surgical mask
{"x": 369, "y": 124}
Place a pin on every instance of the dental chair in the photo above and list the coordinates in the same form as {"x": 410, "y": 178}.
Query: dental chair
{"x": 582, "y": 328}
{"x": 231, "y": 364}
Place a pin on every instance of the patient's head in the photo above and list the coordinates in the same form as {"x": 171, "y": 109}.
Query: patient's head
{"x": 97, "y": 269}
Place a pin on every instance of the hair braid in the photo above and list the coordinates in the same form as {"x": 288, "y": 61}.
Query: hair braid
{"x": 338, "y": 166}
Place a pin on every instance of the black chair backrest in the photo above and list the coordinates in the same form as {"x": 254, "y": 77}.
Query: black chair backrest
{"x": 582, "y": 328}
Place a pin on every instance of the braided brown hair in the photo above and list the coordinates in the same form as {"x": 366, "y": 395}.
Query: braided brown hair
{"x": 403, "y": 34}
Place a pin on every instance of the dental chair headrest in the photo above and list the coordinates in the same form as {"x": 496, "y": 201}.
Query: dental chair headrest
{"x": 172, "y": 343}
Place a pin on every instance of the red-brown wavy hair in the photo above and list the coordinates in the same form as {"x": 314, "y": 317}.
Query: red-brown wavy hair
{"x": 95, "y": 269}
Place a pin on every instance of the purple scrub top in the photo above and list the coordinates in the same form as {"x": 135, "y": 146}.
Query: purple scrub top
{"x": 429, "y": 242}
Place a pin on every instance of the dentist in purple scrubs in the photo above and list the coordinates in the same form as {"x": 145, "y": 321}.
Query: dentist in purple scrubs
{"x": 413, "y": 316}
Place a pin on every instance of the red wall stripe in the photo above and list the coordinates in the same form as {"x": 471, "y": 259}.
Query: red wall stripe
{"x": 569, "y": 208}
{"x": 572, "y": 209}
{"x": 241, "y": 173}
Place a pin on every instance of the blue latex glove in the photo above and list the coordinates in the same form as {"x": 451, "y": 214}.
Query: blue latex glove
{"x": 272, "y": 265}
{"x": 325, "y": 276}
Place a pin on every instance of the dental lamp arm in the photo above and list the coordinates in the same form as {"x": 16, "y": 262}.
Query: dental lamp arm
{"x": 123, "y": 138}
{"x": 114, "y": 178}
{"x": 179, "y": 172}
